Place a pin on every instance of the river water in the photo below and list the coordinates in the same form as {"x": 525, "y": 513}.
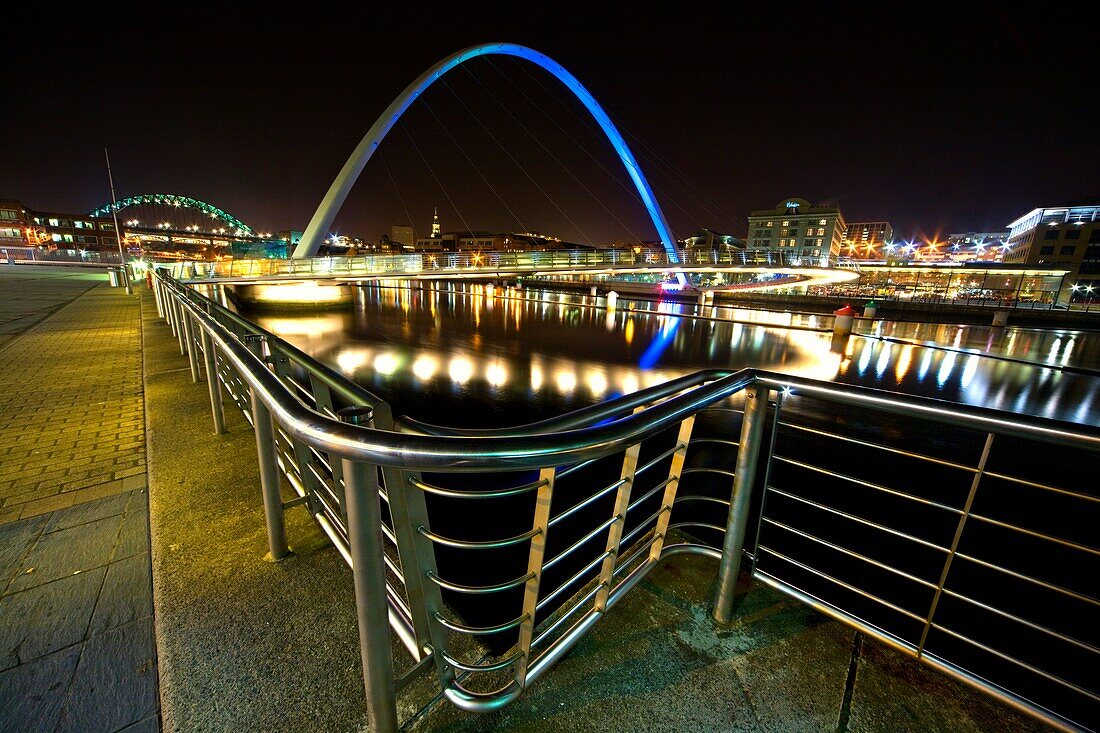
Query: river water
{"x": 468, "y": 356}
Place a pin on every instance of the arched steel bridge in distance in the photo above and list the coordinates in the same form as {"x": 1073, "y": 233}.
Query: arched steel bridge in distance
{"x": 235, "y": 225}
{"x": 334, "y": 199}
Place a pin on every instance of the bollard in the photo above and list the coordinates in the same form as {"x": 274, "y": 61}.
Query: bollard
{"x": 592, "y": 291}
{"x": 843, "y": 318}
{"x": 870, "y": 310}
{"x": 612, "y": 299}
{"x": 369, "y": 575}
{"x": 1000, "y": 318}
{"x": 489, "y": 290}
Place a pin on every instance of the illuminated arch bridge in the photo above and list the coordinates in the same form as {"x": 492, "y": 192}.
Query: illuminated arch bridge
{"x": 235, "y": 225}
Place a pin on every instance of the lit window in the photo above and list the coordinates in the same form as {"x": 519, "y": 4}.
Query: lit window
{"x": 53, "y": 222}
{"x": 786, "y": 222}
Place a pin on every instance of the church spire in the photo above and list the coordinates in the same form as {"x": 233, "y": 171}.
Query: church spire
{"x": 436, "y": 232}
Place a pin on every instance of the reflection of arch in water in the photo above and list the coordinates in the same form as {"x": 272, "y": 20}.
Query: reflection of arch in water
{"x": 334, "y": 199}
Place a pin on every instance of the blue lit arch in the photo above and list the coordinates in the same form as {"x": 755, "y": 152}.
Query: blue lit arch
{"x": 326, "y": 213}
{"x": 171, "y": 199}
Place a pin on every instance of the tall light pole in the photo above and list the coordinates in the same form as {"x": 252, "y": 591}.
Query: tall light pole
{"x": 118, "y": 232}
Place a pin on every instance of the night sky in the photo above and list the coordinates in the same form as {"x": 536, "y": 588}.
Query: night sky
{"x": 937, "y": 120}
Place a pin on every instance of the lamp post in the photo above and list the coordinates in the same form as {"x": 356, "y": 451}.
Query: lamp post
{"x": 118, "y": 232}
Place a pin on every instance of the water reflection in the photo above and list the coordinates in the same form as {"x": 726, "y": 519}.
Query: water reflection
{"x": 457, "y": 354}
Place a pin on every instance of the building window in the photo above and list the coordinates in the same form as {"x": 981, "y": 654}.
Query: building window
{"x": 821, "y": 222}
{"x": 1050, "y": 234}
{"x": 768, "y": 224}
{"x": 8, "y": 214}
{"x": 8, "y": 232}
{"x": 53, "y": 222}
{"x": 821, "y": 232}
{"x": 786, "y": 222}
{"x": 1073, "y": 234}
{"x": 1067, "y": 250}
{"x": 1049, "y": 250}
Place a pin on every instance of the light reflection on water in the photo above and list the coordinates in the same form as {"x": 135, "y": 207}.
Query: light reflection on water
{"x": 453, "y": 353}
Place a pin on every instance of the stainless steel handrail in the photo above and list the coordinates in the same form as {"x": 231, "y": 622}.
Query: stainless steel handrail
{"x": 560, "y": 443}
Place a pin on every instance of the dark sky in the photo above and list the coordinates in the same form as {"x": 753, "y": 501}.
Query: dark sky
{"x": 937, "y": 119}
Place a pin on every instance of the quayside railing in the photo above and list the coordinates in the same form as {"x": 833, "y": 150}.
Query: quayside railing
{"x": 962, "y": 536}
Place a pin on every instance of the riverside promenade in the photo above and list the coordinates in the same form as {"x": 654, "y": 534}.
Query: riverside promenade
{"x": 97, "y": 633}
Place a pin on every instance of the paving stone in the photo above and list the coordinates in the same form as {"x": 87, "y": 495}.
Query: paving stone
{"x": 127, "y": 594}
{"x": 149, "y": 725}
{"x": 45, "y": 618}
{"x": 34, "y": 693}
{"x": 134, "y": 537}
{"x": 87, "y": 512}
{"x": 116, "y": 682}
{"x": 15, "y": 539}
{"x": 66, "y": 552}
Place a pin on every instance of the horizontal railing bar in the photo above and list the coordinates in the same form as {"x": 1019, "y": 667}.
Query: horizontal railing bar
{"x": 860, "y": 520}
{"x": 704, "y": 469}
{"x": 658, "y": 459}
{"x": 842, "y": 584}
{"x": 565, "y": 616}
{"x": 1029, "y": 579}
{"x": 502, "y": 664}
{"x": 982, "y": 419}
{"x": 886, "y": 448}
{"x": 719, "y": 441}
{"x": 572, "y": 579}
{"x": 603, "y": 526}
{"x": 868, "y": 484}
{"x": 644, "y": 525}
{"x": 1030, "y": 624}
{"x": 482, "y": 544}
{"x": 1030, "y": 668}
{"x": 651, "y": 493}
{"x": 635, "y": 552}
{"x": 1033, "y": 533}
{"x": 595, "y": 497}
{"x": 697, "y": 525}
{"x": 1044, "y": 487}
{"x": 478, "y": 630}
{"x": 851, "y": 553}
{"x": 574, "y": 468}
{"x": 693, "y": 497}
{"x": 490, "y": 494}
{"x": 478, "y": 589}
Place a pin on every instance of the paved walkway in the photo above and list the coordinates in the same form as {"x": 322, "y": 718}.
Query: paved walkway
{"x": 76, "y": 616}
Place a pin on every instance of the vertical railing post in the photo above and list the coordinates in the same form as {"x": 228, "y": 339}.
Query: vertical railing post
{"x": 213, "y": 382}
{"x": 189, "y": 337}
{"x": 179, "y": 324}
{"x": 269, "y": 479}
{"x": 368, "y": 569}
{"x": 535, "y": 558}
{"x": 748, "y": 453}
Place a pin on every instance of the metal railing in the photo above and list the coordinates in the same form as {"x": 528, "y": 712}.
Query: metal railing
{"x": 440, "y": 263}
{"x": 500, "y": 549}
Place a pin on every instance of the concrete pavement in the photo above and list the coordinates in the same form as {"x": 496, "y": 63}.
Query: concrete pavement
{"x": 76, "y": 623}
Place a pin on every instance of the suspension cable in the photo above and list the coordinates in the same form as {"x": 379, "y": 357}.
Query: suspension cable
{"x": 469, "y": 160}
{"x": 513, "y": 159}
{"x": 649, "y": 154}
{"x": 437, "y": 181}
{"x": 397, "y": 191}
{"x": 580, "y": 183}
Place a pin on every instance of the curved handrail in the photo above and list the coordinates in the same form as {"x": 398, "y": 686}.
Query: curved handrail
{"x": 334, "y": 199}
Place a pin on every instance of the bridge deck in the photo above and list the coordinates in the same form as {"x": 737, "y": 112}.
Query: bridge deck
{"x": 248, "y": 645}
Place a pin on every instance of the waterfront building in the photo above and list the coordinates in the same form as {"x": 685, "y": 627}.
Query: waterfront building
{"x": 976, "y": 246}
{"x": 706, "y": 239}
{"x": 798, "y": 228}
{"x": 23, "y": 227}
{"x": 866, "y": 240}
{"x": 978, "y": 283}
{"x": 402, "y": 237}
{"x": 1061, "y": 236}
